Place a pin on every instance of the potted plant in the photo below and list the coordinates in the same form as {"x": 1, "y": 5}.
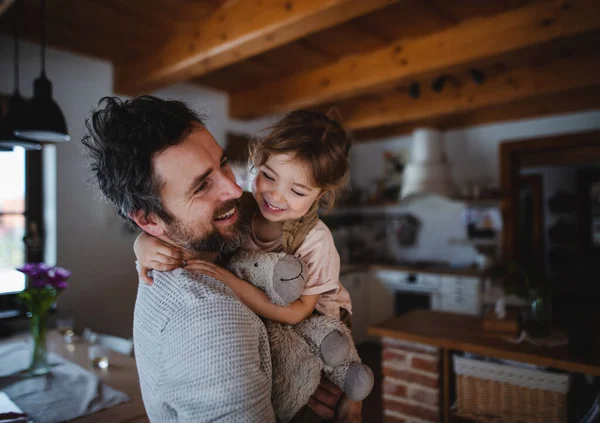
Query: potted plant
{"x": 533, "y": 287}
{"x": 45, "y": 285}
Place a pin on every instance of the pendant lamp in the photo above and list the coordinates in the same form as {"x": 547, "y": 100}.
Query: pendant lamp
{"x": 45, "y": 120}
{"x": 3, "y": 147}
{"x": 17, "y": 106}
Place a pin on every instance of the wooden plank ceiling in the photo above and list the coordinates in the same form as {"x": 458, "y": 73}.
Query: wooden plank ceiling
{"x": 388, "y": 65}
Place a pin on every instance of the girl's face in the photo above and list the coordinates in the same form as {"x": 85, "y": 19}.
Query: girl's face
{"x": 283, "y": 190}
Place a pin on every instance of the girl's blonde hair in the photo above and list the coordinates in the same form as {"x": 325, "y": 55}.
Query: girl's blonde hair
{"x": 313, "y": 138}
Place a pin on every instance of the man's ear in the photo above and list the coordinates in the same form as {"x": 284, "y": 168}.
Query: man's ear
{"x": 150, "y": 224}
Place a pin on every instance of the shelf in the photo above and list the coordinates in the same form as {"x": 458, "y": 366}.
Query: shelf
{"x": 438, "y": 270}
{"x": 389, "y": 208}
{"x": 480, "y": 202}
{"x": 363, "y": 209}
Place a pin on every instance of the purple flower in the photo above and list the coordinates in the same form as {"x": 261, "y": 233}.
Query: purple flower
{"x": 58, "y": 277}
{"x": 38, "y": 283}
{"x": 41, "y": 275}
{"x": 35, "y": 270}
{"x": 62, "y": 285}
{"x": 62, "y": 273}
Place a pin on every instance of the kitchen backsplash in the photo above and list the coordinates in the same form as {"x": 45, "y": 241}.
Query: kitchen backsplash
{"x": 438, "y": 226}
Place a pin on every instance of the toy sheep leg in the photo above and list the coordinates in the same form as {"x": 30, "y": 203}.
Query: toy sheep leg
{"x": 354, "y": 377}
{"x": 328, "y": 337}
{"x": 296, "y": 370}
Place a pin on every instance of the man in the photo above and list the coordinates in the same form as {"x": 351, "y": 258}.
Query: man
{"x": 201, "y": 354}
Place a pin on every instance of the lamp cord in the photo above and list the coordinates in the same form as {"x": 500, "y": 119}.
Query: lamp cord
{"x": 43, "y": 19}
{"x": 16, "y": 34}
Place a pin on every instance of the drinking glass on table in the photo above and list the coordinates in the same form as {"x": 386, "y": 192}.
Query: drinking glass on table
{"x": 65, "y": 328}
{"x": 98, "y": 356}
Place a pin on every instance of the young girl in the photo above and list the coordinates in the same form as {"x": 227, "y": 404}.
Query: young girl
{"x": 302, "y": 163}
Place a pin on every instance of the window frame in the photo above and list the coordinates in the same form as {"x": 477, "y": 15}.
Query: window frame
{"x": 33, "y": 212}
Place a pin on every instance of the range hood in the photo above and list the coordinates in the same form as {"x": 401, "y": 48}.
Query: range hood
{"x": 428, "y": 171}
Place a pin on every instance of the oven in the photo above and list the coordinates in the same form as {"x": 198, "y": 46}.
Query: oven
{"x": 433, "y": 291}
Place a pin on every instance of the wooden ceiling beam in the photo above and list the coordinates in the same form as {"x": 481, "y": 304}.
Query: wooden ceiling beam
{"x": 535, "y": 107}
{"x": 506, "y": 87}
{"x": 237, "y": 32}
{"x": 5, "y": 5}
{"x": 474, "y": 41}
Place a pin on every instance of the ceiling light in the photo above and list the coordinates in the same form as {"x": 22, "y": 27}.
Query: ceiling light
{"x": 438, "y": 84}
{"x": 477, "y": 76}
{"x": 414, "y": 90}
{"x": 46, "y": 122}
{"x": 16, "y": 112}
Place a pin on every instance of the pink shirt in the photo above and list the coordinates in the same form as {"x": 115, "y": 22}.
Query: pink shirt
{"x": 323, "y": 261}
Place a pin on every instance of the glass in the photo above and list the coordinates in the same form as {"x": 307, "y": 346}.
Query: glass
{"x": 65, "y": 328}
{"x": 39, "y": 359}
{"x": 98, "y": 356}
{"x": 538, "y": 316}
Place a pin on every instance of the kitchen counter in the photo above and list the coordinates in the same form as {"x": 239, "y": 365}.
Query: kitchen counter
{"x": 438, "y": 270}
{"x": 465, "y": 333}
{"x": 449, "y": 331}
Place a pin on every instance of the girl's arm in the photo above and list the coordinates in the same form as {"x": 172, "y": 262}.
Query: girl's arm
{"x": 152, "y": 254}
{"x": 255, "y": 298}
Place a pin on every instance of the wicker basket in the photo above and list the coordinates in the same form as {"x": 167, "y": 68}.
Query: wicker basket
{"x": 490, "y": 392}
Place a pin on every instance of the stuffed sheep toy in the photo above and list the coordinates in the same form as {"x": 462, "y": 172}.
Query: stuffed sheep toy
{"x": 299, "y": 353}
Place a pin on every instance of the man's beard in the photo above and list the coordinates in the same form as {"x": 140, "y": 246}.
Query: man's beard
{"x": 184, "y": 236}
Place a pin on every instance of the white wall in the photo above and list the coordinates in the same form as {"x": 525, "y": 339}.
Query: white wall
{"x": 91, "y": 241}
{"x": 473, "y": 154}
{"x": 215, "y": 106}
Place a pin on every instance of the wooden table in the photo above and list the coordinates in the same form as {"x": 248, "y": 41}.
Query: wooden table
{"x": 449, "y": 331}
{"x": 121, "y": 375}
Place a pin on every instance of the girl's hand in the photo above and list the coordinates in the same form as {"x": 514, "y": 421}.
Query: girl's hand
{"x": 152, "y": 253}
{"x": 213, "y": 270}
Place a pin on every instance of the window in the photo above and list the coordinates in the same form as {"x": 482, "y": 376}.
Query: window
{"x": 12, "y": 220}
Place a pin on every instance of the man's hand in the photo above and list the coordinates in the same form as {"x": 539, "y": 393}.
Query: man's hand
{"x": 349, "y": 411}
{"x": 330, "y": 403}
{"x": 325, "y": 399}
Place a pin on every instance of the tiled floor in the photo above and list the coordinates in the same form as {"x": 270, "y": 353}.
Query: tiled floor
{"x": 372, "y": 405}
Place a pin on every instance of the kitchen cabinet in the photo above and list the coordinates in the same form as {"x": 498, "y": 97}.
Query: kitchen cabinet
{"x": 380, "y": 302}
{"x": 372, "y": 303}
{"x": 460, "y": 294}
{"x": 357, "y": 287}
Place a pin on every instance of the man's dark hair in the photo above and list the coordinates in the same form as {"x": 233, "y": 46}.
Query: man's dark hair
{"x": 122, "y": 137}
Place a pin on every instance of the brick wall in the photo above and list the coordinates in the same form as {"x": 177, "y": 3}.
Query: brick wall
{"x": 411, "y": 382}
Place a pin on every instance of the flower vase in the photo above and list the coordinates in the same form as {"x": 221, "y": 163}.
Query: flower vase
{"x": 538, "y": 319}
{"x": 39, "y": 359}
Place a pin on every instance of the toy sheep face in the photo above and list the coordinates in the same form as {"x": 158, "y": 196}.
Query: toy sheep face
{"x": 282, "y": 276}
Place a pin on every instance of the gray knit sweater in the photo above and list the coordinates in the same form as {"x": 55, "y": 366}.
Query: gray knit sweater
{"x": 201, "y": 354}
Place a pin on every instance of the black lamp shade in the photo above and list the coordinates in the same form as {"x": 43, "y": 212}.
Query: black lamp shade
{"x": 45, "y": 121}
{"x": 2, "y": 146}
{"x": 15, "y": 116}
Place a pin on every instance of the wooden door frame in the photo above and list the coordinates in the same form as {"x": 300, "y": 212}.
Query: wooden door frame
{"x": 544, "y": 151}
{"x": 535, "y": 181}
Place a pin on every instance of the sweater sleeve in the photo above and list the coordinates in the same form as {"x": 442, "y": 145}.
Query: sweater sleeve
{"x": 212, "y": 367}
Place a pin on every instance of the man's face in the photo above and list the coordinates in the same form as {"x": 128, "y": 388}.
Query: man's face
{"x": 200, "y": 192}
